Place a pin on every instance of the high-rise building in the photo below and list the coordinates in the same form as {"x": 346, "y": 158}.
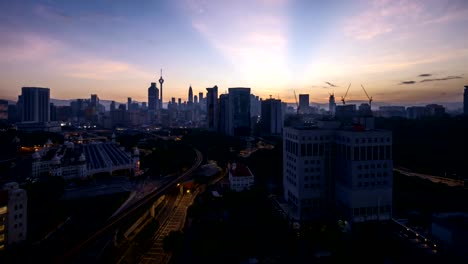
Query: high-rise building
{"x": 255, "y": 105}
{"x": 195, "y": 99}
{"x": 161, "y": 99}
{"x": 272, "y": 117}
{"x": 328, "y": 169}
{"x": 303, "y": 103}
{"x": 212, "y": 108}
{"x": 35, "y": 102}
{"x": 190, "y": 95}
{"x": 332, "y": 104}
{"x": 465, "y": 101}
{"x": 13, "y": 214}
{"x": 224, "y": 121}
{"x": 112, "y": 106}
{"x": 239, "y": 111}
{"x": 153, "y": 98}
{"x": 129, "y": 103}
{"x": 94, "y": 100}
{"x": 3, "y": 109}
{"x": 53, "y": 112}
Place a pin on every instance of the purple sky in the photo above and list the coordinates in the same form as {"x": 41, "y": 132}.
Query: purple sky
{"x": 401, "y": 51}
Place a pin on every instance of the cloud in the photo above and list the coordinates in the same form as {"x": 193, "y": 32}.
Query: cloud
{"x": 331, "y": 84}
{"x": 431, "y": 80}
{"x": 407, "y": 82}
{"x": 425, "y": 75}
{"x": 27, "y": 46}
{"x": 103, "y": 69}
{"x": 51, "y": 13}
{"x": 442, "y": 79}
{"x": 255, "y": 45}
{"x": 382, "y": 17}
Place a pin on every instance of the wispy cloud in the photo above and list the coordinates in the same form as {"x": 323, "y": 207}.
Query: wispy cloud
{"x": 331, "y": 84}
{"x": 407, "y": 82}
{"x": 442, "y": 79}
{"x": 27, "y": 46}
{"x": 430, "y": 80}
{"x": 382, "y": 17}
{"x": 51, "y": 13}
{"x": 103, "y": 69}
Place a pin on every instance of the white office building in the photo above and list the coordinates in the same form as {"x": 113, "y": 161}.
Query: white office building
{"x": 327, "y": 169}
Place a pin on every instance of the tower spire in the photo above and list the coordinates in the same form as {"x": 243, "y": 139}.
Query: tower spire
{"x": 161, "y": 81}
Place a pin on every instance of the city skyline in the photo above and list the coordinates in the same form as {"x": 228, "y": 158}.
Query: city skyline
{"x": 401, "y": 51}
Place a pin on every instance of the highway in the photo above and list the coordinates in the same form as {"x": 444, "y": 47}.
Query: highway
{"x": 113, "y": 223}
{"x": 432, "y": 178}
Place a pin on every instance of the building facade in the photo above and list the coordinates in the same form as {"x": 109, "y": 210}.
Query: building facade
{"x": 240, "y": 177}
{"x": 35, "y": 102}
{"x": 327, "y": 170}
{"x": 465, "y": 101}
{"x": 13, "y": 215}
{"x": 239, "y": 111}
{"x": 212, "y": 108}
{"x": 272, "y": 117}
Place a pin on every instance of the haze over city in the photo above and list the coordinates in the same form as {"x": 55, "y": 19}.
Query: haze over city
{"x": 401, "y": 51}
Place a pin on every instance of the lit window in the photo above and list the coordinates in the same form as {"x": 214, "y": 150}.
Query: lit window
{"x": 3, "y": 210}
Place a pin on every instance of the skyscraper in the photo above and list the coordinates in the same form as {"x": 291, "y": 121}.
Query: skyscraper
{"x": 153, "y": 98}
{"x": 224, "y": 121}
{"x": 239, "y": 111}
{"x": 190, "y": 95}
{"x": 303, "y": 103}
{"x": 212, "y": 108}
{"x": 161, "y": 99}
{"x": 35, "y": 102}
{"x": 272, "y": 117}
{"x": 465, "y": 101}
{"x": 332, "y": 104}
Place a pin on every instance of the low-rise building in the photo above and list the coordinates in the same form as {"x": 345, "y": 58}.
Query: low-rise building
{"x": 240, "y": 177}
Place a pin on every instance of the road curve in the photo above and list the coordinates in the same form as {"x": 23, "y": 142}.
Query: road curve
{"x": 119, "y": 218}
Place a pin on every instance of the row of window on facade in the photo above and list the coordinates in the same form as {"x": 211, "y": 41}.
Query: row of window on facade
{"x": 373, "y": 175}
{"x": 372, "y": 184}
{"x": 312, "y": 186}
{"x": 292, "y": 198}
{"x": 365, "y": 153}
{"x": 372, "y": 210}
{"x": 364, "y": 140}
{"x": 341, "y": 138}
{"x": 291, "y": 181}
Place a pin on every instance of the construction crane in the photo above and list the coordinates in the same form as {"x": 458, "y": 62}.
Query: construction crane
{"x": 368, "y": 97}
{"x": 343, "y": 97}
{"x": 297, "y": 104}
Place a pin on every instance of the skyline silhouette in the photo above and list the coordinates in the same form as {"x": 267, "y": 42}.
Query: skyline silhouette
{"x": 402, "y": 52}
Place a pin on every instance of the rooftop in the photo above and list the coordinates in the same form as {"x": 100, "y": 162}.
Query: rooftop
{"x": 239, "y": 170}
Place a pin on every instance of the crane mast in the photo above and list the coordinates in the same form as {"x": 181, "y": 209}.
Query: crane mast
{"x": 343, "y": 97}
{"x": 368, "y": 97}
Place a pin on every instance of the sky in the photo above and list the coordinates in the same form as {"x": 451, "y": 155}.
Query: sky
{"x": 401, "y": 51}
